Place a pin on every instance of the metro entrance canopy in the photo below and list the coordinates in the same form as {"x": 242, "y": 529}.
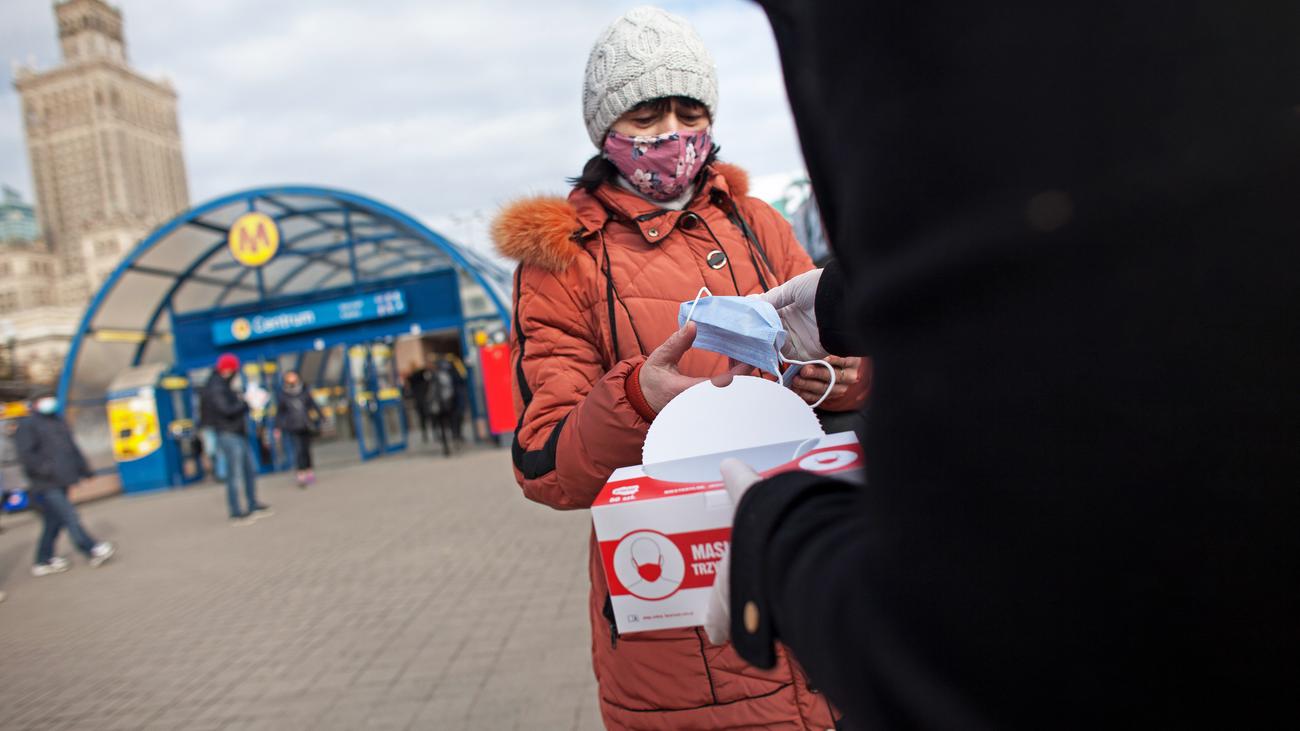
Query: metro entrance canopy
{"x": 331, "y": 245}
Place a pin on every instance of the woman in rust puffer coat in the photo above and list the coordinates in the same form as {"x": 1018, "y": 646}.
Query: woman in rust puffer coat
{"x": 597, "y": 351}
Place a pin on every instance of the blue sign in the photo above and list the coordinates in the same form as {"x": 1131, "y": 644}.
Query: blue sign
{"x": 315, "y": 316}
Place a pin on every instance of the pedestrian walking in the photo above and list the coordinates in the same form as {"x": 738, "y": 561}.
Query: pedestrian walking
{"x": 652, "y": 218}
{"x": 418, "y": 382}
{"x": 52, "y": 463}
{"x": 441, "y": 402}
{"x": 460, "y": 402}
{"x": 298, "y": 418}
{"x": 224, "y": 409}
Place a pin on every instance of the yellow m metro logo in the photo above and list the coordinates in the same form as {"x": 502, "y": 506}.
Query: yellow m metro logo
{"x": 253, "y": 240}
{"x": 241, "y": 329}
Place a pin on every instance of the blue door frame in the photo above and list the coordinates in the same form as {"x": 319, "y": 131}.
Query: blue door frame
{"x": 391, "y": 410}
{"x": 363, "y": 406}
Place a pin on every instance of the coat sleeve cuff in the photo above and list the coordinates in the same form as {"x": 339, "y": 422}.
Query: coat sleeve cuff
{"x": 761, "y": 511}
{"x": 636, "y": 398}
{"x": 829, "y": 306}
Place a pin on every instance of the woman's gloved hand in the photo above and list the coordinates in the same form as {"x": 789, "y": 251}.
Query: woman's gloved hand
{"x": 794, "y": 301}
{"x": 738, "y": 477}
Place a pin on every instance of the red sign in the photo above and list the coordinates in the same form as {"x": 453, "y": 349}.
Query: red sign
{"x": 495, "y": 363}
{"x": 651, "y": 565}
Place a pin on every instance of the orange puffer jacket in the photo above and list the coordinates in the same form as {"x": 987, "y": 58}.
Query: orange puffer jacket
{"x": 611, "y": 255}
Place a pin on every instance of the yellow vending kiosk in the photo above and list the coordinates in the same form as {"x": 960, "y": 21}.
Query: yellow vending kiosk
{"x": 152, "y": 430}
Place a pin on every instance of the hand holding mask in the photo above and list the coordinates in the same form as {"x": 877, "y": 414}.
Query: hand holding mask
{"x": 661, "y": 381}
{"x": 746, "y": 329}
{"x": 795, "y": 301}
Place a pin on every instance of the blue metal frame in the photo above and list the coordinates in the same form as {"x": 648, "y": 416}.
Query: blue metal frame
{"x": 346, "y": 202}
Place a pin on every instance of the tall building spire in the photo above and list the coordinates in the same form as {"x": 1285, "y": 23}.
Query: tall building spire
{"x": 90, "y": 29}
{"x": 104, "y": 144}
{"x": 107, "y": 167}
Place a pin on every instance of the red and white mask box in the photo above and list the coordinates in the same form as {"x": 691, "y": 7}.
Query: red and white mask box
{"x": 663, "y": 525}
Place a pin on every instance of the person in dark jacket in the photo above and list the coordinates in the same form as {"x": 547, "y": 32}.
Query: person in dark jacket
{"x": 418, "y": 383}
{"x": 52, "y": 463}
{"x": 445, "y": 404}
{"x": 456, "y": 369}
{"x": 298, "y": 417}
{"x": 223, "y": 409}
{"x": 1067, "y": 234}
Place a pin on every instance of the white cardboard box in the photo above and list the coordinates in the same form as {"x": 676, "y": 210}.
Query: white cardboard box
{"x": 663, "y": 525}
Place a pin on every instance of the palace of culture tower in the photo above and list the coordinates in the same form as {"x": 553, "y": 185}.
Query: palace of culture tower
{"x": 107, "y": 167}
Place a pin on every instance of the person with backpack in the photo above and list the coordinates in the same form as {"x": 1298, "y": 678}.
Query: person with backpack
{"x": 52, "y": 463}
{"x": 417, "y": 386}
{"x": 597, "y": 351}
{"x": 460, "y": 402}
{"x": 441, "y": 403}
{"x": 298, "y": 417}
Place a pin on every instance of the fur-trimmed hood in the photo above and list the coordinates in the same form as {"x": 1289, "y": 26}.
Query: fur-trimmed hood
{"x": 546, "y": 231}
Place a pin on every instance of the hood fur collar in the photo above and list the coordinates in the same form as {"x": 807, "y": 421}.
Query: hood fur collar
{"x": 546, "y": 231}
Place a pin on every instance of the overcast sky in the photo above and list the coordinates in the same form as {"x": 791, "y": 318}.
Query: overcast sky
{"x": 439, "y": 108}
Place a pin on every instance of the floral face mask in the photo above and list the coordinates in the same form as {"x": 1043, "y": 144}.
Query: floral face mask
{"x": 661, "y": 166}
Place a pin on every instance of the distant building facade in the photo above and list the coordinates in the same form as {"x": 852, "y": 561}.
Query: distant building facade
{"x": 34, "y": 326}
{"x": 17, "y": 217}
{"x": 107, "y": 167}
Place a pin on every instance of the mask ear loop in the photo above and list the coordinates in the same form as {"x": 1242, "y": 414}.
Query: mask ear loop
{"x": 691, "y": 313}
{"x": 823, "y": 363}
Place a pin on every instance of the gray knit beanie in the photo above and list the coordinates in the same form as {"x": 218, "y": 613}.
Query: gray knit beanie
{"x": 646, "y": 54}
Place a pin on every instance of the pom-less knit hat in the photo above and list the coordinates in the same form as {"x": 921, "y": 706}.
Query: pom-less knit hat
{"x": 646, "y": 54}
{"x": 227, "y": 362}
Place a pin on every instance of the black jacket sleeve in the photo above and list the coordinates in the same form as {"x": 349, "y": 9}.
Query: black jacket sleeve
{"x": 837, "y": 333}
{"x": 800, "y": 515}
{"x": 28, "y": 446}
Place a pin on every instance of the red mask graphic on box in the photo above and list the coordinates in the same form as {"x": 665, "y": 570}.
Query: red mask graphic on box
{"x": 650, "y": 566}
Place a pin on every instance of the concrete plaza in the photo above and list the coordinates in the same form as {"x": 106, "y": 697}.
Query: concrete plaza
{"x": 409, "y": 592}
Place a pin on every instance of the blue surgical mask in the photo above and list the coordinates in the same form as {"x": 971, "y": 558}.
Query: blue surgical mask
{"x": 746, "y": 329}
{"x": 47, "y": 405}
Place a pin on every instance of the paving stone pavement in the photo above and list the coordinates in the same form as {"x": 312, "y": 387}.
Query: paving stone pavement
{"x": 409, "y": 592}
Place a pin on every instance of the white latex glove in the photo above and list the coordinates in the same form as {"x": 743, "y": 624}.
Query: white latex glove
{"x": 738, "y": 477}
{"x": 794, "y": 303}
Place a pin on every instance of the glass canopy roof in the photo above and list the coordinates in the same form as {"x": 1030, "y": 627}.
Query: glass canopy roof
{"x": 328, "y": 239}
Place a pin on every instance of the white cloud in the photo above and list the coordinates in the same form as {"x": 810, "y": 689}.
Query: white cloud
{"x": 437, "y": 108}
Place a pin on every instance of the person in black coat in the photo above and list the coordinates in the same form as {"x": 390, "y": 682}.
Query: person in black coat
{"x": 223, "y": 409}
{"x": 460, "y": 401}
{"x": 418, "y": 383}
{"x": 1068, "y": 238}
{"x": 53, "y": 463}
{"x": 298, "y": 417}
{"x": 445, "y": 402}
